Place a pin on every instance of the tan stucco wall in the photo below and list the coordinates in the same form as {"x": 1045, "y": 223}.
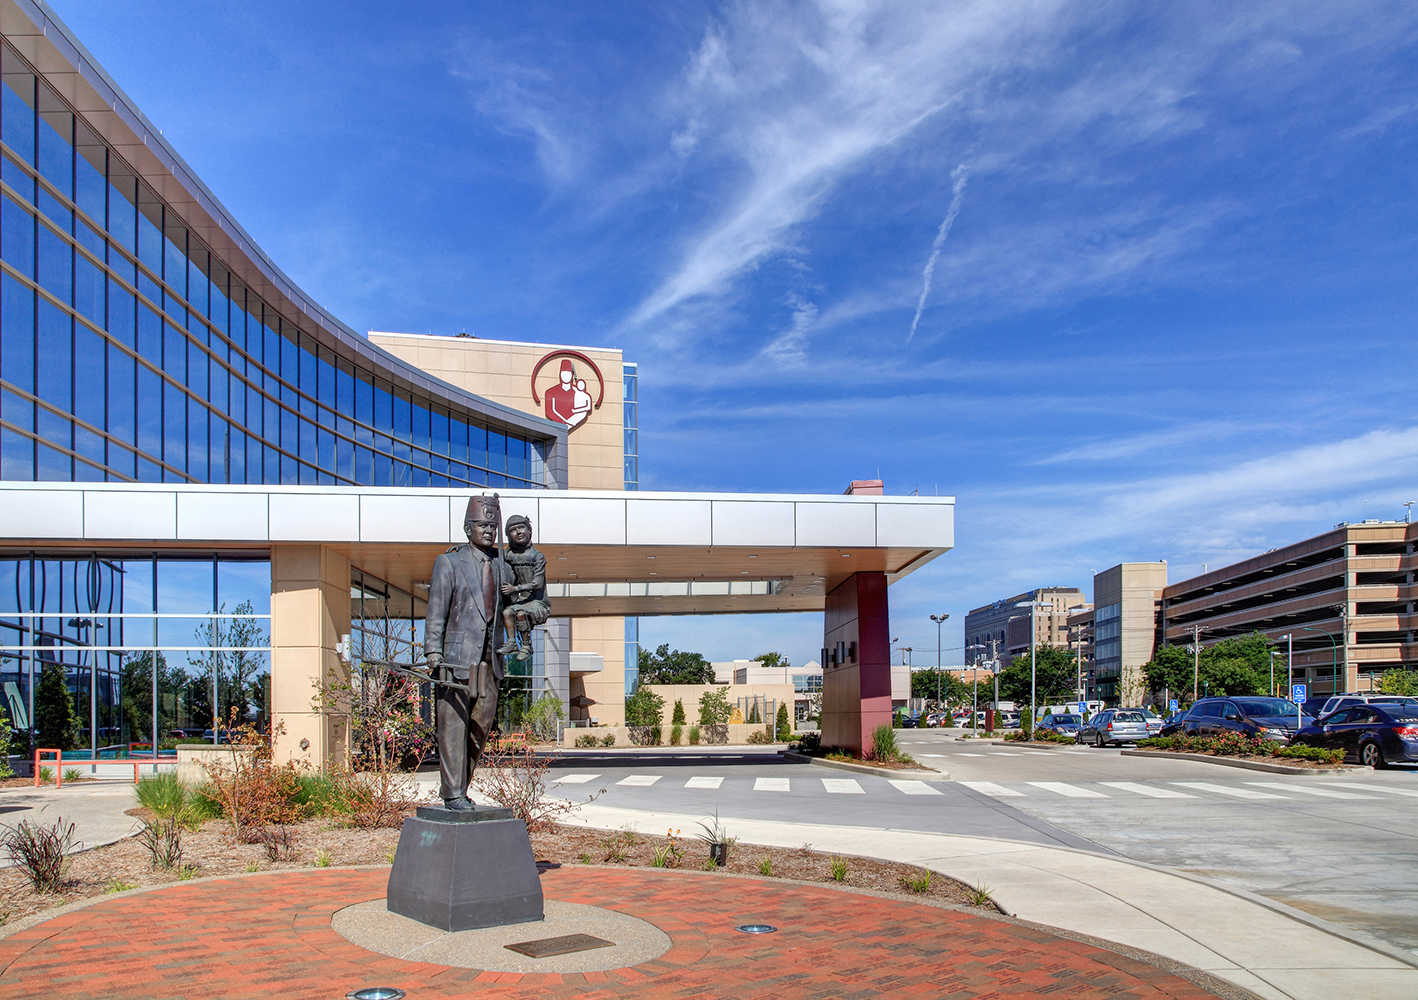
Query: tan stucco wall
{"x": 501, "y": 370}
{"x": 778, "y": 694}
{"x": 310, "y": 611}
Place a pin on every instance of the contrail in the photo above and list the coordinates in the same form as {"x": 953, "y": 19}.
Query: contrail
{"x": 959, "y": 175}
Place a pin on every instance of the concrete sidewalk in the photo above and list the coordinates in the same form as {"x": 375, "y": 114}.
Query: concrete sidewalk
{"x": 96, "y": 808}
{"x": 1270, "y": 949}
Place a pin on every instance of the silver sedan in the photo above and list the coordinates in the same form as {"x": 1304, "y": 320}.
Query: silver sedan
{"x": 1114, "y": 726}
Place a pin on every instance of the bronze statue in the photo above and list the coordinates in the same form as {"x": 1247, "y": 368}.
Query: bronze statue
{"x": 460, "y": 645}
{"x": 525, "y": 591}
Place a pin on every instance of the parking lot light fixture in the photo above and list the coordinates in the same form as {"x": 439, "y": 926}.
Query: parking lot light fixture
{"x": 1033, "y": 606}
{"x": 939, "y": 621}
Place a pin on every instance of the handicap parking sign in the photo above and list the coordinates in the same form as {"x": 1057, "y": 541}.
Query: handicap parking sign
{"x": 1297, "y": 693}
{"x": 1175, "y": 705}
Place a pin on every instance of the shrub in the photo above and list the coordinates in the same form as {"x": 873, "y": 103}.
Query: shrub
{"x": 839, "y": 868}
{"x": 167, "y": 798}
{"x": 678, "y": 718}
{"x": 759, "y": 737}
{"x": 55, "y": 718}
{"x": 608, "y": 740}
{"x": 883, "y": 744}
{"x": 753, "y": 717}
{"x": 676, "y": 731}
{"x": 373, "y": 799}
{"x": 163, "y": 839}
{"x": 809, "y": 743}
{"x": 765, "y": 865}
{"x": 644, "y": 708}
{"x": 1018, "y": 735}
{"x": 320, "y": 795}
{"x": 517, "y": 779}
{"x": 694, "y": 736}
{"x": 1302, "y": 752}
{"x": 72, "y": 774}
{"x": 917, "y": 881}
{"x": 543, "y": 716}
{"x": 41, "y": 852}
{"x": 587, "y": 740}
{"x": 251, "y": 788}
{"x": 784, "y": 725}
{"x": 714, "y": 708}
{"x": 645, "y": 736}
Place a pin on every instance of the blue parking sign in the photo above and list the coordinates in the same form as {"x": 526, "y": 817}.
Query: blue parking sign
{"x": 1298, "y": 693}
{"x": 1175, "y": 705}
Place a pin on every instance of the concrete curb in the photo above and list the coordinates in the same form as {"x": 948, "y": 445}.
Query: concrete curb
{"x": 884, "y": 772}
{"x": 1249, "y": 765}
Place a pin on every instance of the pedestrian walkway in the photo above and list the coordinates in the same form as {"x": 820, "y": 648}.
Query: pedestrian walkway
{"x": 1272, "y": 950}
{"x": 271, "y": 936}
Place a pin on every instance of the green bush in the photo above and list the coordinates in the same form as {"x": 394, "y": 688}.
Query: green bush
{"x": 678, "y": 717}
{"x": 676, "y": 732}
{"x": 644, "y": 708}
{"x": 759, "y": 737}
{"x": 809, "y": 743}
{"x": 319, "y": 795}
{"x": 1236, "y": 745}
{"x": 586, "y": 740}
{"x": 883, "y": 744}
{"x": 694, "y": 736}
{"x": 1302, "y": 752}
{"x": 714, "y": 707}
{"x": 608, "y": 740}
{"x": 783, "y": 724}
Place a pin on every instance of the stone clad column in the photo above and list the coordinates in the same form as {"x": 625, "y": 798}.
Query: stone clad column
{"x": 310, "y": 611}
{"x": 856, "y": 693}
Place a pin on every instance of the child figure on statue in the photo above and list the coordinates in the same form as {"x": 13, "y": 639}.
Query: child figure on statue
{"x": 526, "y": 592}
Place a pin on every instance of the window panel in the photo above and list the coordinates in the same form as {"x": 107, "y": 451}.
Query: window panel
{"x": 403, "y": 418}
{"x": 458, "y": 441}
{"x": 150, "y": 391}
{"x": 254, "y": 472}
{"x": 439, "y": 433}
{"x": 420, "y": 435}
{"x": 120, "y": 460}
{"x": 123, "y": 208}
{"x": 55, "y": 357}
{"x": 90, "y": 187}
{"x": 16, "y": 457}
{"x": 325, "y": 442}
{"x": 174, "y": 253}
{"x": 18, "y": 109}
{"x": 344, "y": 390}
{"x": 363, "y": 466}
{"x": 344, "y": 458}
{"x": 383, "y": 470}
{"x": 56, "y": 266}
{"x": 220, "y": 310}
{"x": 174, "y": 414}
{"x": 90, "y": 379}
{"x": 149, "y": 232}
{"x": 91, "y": 240}
{"x": 290, "y": 440}
{"x": 149, "y": 336}
{"x": 120, "y": 394}
{"x": 307, "y": 441}
{"x": 496, "y": 452}
{"x": 88, "y": 290}
{"x": 197, "y": 284}
{"x": 56, "y": 138}
{"x": 477, "y": 446}
{"x": 54, "y": 210}
{"x": 197, "y": 370}
{"x": 383, "y": 410}
{"x": 307, "y": 382}
{"x": 17, "y": 236}
{"x": 174, "y": 353}
{"x": 53, "y": 466}
{"x": 219, "y": 435}
{"x": 270, "y": 466}
{"x": 325, "y": 378}
{"x": 120, "y": 313}
{"x": 17, "y": 345}
{"x": 89, "y": 445}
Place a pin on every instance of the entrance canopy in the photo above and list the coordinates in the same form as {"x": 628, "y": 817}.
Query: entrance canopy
{"x": 608, "y": 553}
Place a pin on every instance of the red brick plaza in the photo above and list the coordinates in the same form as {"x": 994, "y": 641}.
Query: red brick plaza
{"x": 270, "y": 936}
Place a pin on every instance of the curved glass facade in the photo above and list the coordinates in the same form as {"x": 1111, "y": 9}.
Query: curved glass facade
{"x": 129, "y": 351}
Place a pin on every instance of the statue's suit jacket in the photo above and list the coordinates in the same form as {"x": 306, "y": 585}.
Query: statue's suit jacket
{"x": 457, "y": 623}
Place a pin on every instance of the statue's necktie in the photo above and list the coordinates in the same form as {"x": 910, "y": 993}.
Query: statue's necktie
{"x": 486, "y": 583}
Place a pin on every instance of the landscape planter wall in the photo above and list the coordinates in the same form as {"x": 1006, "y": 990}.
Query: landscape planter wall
{"x": 737, "y": 735}
{"x": 194, "y": 758}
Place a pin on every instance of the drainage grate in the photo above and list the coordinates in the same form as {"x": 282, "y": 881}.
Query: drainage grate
{"x": 756, "y": 928}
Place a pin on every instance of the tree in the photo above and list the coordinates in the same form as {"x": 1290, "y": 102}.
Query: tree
{"x": 783, "y": 725}
{"x": 136, "y": 695}
{"x": 236, "y": 667}
{"x": 1399, "y": 682}
{"x": 753, "y": 717}
{"x": 55, "y": 719}
{"x": 776, "y": 661}
{"x": 714, "y": 707}
{"x": 644, "y": 708}
{"x": 952, "y": 689}
{"x": 1235, "y": 666}
{"x": 1056, "y": 678}
{"x": 666, "y": 666}
{"x": 543, "y": 716}
{"x": 678, "y": 718}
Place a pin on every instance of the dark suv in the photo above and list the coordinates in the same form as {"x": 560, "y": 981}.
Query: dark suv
{"x": 1267, "y": 718}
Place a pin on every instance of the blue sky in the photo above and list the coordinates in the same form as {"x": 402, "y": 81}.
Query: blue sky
{"x": 1167, "y": 250}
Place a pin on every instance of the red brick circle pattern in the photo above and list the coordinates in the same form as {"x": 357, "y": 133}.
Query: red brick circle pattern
{"x": 270, "y": 936}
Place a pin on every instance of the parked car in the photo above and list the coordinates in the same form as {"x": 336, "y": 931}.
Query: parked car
{"x": 1335, "y": 702}
{"x": 1154, "y": 721}
{"x": 1376, "y": 734}
{"x": 1008, "y": 719}
{"x": 1258, "y": 716}
{"x": 936, "y": 719}
{"x": 910, "y": 721}
{"x": 1113, "y": 725}
{"x": 1062, "y": 723}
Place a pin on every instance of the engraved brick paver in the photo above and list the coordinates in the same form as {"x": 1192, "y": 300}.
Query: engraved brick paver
{"x": 270, "y": 936}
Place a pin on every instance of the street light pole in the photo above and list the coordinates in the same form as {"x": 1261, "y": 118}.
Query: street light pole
{"x": 1343, "y": 610}
{"x": 1290, "y": 672}
{"x": 1333, "y": 659}
{"x": 939, "y": 621}
{"x": 1033, "y": 607}
{"x": 1196, "y": 660}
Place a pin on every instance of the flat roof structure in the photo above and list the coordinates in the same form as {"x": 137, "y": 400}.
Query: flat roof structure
{"x": 608, "y": 553}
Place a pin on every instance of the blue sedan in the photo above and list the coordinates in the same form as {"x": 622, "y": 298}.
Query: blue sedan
{"x": 1375, "y": 734}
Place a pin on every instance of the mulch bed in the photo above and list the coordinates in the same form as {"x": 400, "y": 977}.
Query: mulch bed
{"x": 1309, "y": 765}
{"x": 214, "y": 850}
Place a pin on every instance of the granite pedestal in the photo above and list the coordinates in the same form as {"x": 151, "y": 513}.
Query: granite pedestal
{"x": 457, "y": 870}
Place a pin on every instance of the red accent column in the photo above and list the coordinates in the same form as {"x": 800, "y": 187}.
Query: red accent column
{"x": 856, "y": 694}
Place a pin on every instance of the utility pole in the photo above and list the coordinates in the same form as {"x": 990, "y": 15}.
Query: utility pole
{"x": 1343, "y": 610}
{"x": 1033, "y": 607}
{"x": 1196, "y": 661}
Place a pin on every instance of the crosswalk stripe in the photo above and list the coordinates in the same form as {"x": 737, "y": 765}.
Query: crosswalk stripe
{"x": 914, "y": 787}
{"x": 1036, "y": 753}
{"x": 640, "y": 780}
{"x": 1391, "y": 791}
{"x": 945, "y": 755}
{"x": 1326, "y": 793}
{"x": 703, "y": 782}
{"x": 575, "y": 779}
{"x": 1238, "y": 793}
{"x": 843, "y": 786}
{"x": 958, "y": 755}
{"x": 1068, "y": 791}
{"x": 990, "y": 788}
{"x": 1151, "y": 791}
{"x": 770, "y": 784}
{"x": 1004, "y": 753}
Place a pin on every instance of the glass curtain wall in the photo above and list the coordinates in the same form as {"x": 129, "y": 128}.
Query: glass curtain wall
{"x": 102, "y": 653}
{"x": 131, "y": 353}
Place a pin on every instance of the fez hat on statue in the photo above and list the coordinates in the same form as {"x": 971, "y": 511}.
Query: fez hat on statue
{"x": 519, "y": 519}
{"x": 483, "y": 508}
{"x": 567, "y": 368}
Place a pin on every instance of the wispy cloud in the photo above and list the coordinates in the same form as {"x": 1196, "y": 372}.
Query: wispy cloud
{"x": 960, "y": 175}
